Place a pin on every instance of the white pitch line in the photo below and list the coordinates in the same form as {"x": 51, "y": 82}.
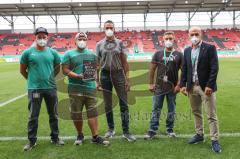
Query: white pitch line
{"x": 12, "y": 100}
{"x": 15, "y": 138}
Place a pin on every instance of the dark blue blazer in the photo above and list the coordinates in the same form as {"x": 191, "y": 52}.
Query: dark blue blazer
{"x": 207, "y": 67}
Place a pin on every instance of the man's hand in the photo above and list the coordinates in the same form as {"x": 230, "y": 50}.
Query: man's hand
{"x": 152, "y": 87}
{"x": 177, "y": 89}
{"x": 80, "y": 76}
{"x": 184, "y": 91}
{"x": 208, "y": 91}
{"x": 99, "y": 87}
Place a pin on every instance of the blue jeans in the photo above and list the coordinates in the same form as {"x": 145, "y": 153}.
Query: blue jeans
{"x": 116, "y": 80}
{"x": 157, "y": 107}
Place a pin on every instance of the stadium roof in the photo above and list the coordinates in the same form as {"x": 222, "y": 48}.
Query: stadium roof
{"x": 118, "y": 7}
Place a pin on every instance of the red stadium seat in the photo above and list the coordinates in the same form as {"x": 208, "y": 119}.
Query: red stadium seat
{"x": 223, "y": 39}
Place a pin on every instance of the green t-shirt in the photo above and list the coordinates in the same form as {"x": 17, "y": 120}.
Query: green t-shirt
{"x": 76, "y": 61}
{"x": 40, "y": 67}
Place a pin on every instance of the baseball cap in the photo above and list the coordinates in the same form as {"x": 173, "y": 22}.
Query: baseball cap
{"x": 41, "y": 30}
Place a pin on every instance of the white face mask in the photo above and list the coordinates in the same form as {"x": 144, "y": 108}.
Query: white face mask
{"x": 42, "y": 42}
{"x": 168, "y": 43}
{"x": 195, "y": 40}
{"x": 82, "y": 44}
{"x": 109, "y": 33}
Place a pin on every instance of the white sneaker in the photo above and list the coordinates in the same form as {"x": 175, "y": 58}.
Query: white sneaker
{"x": 29, "y": 146}
{"x": 129, "y": 137}
{"x": 109, "y": 134}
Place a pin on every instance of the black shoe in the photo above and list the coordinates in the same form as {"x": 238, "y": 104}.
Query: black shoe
{"x": 29, "y": 146}
{"x": 170, "y": 133}
{"x": 100, "y": 141}
{"x": 216, "y": 147}
{"x": 196, "y": 139}
{"x": 57, "y": 142}
{"x": 150, "y": 135}
{"x": 79, "y": 140}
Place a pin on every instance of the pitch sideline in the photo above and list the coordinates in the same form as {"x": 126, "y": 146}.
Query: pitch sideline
{"x": 12, "y": 100}
{"x": 15, "y": 138}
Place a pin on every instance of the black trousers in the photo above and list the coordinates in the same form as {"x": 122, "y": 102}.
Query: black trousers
{"x": 116, "y": 80}
{"x": 35, "y": 98}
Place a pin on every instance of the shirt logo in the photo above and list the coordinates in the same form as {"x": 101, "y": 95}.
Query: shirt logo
{"x": 110, "y": 46}
{"x": 170, "y": 58}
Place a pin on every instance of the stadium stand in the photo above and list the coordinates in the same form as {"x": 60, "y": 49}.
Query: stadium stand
{"x": 136, "y": 42}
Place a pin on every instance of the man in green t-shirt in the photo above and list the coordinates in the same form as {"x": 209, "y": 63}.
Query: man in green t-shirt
{"x": 39, "y": 65}
{"x": 80, "y": 65}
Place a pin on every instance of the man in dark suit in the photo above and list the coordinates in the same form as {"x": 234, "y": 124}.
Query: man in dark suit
{"x": 198, "y": 81}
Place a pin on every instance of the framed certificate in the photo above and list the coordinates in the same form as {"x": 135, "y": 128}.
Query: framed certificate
{"x": 89, "y": 70}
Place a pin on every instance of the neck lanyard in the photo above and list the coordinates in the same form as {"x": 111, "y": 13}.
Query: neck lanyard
{"x": 194, "y": 56}
{"x": 165, "y": 57}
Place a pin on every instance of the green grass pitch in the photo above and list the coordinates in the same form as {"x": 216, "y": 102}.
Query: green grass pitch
{"x": 13, "y": 122}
